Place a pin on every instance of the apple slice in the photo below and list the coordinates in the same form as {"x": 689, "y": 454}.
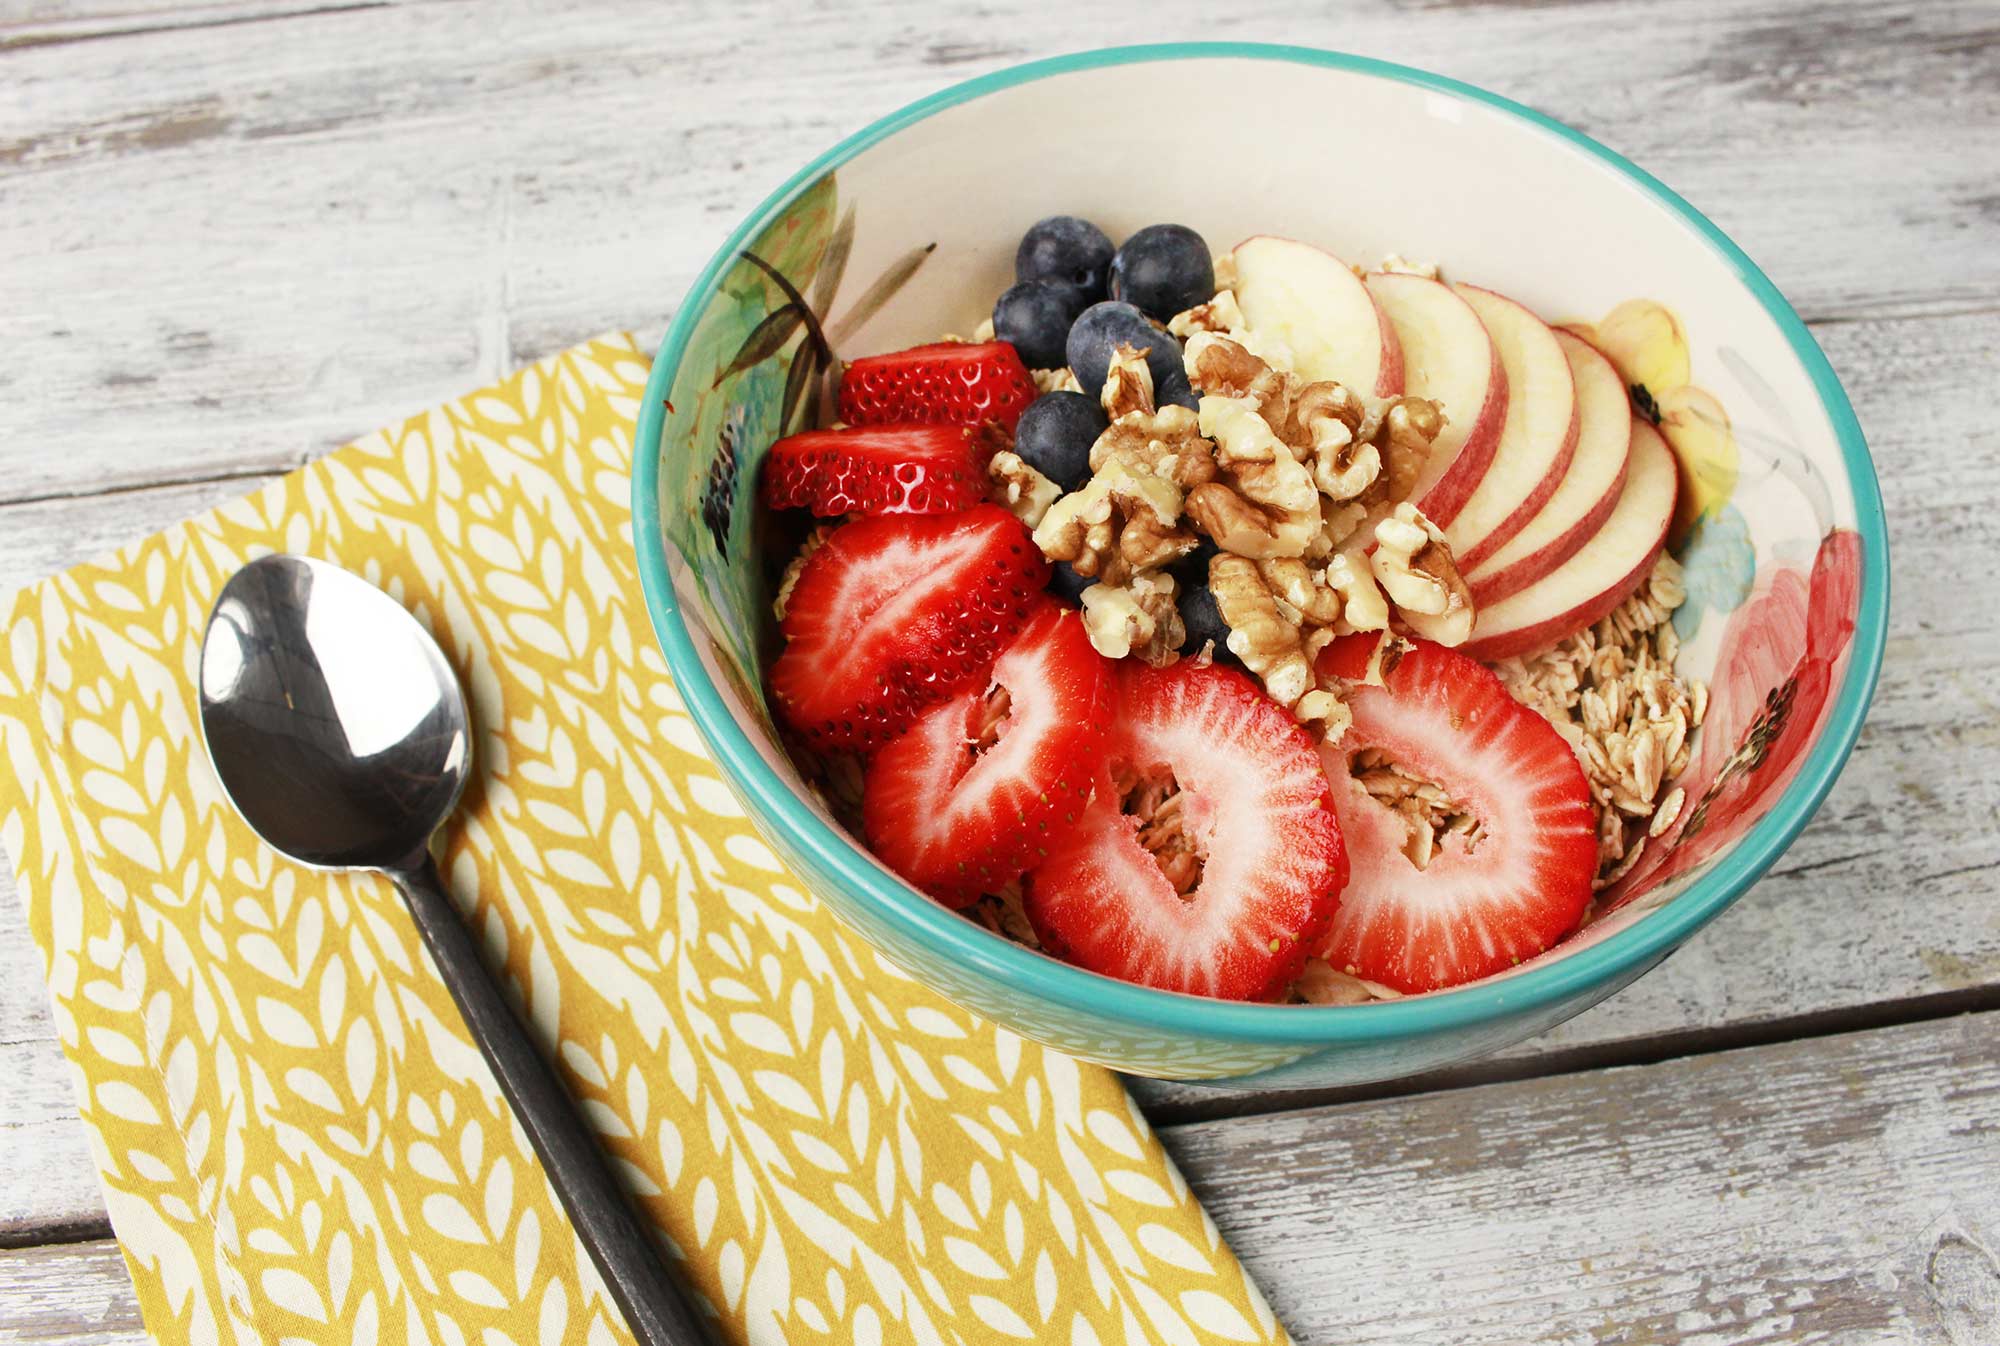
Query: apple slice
{"x": 1448, "y": 358}
{"x": 1604, "y": 571}
{"x": 1536, "y": 439}
{"x": 1314, "y": 303}
{"x": 1589, "y": 489}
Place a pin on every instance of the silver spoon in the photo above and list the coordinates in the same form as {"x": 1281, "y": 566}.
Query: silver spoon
{"x": 341, "y": 734}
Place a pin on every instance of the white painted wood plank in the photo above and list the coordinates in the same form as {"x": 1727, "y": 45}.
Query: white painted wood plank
{"x": 227, "y": 248}
{"x": 1836, "y": 1191}
{"x": 75, "y": 1293}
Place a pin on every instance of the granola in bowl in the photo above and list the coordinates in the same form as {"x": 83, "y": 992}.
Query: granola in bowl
{"x": 1246, "y": 638}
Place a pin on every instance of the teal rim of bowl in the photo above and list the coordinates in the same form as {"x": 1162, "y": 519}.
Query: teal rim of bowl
{"x": 946, "y": 934}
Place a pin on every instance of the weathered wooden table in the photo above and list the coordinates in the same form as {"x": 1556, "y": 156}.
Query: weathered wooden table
{"x": 233, "y": 235}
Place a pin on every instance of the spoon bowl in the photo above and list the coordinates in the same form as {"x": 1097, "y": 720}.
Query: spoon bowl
{"x": 331, "y": 716}
{"x": 341, "y": 735}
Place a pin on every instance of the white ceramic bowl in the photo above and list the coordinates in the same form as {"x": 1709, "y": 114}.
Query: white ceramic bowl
{"x": 1787, "y": 561}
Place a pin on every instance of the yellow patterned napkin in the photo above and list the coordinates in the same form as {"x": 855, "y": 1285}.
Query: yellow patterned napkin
{"x": 296, "y": 1140}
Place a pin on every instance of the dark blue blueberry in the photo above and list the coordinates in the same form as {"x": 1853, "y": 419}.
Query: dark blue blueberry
{"x": 1175, "y": 390}
{"x": 1163, "y": 269}
{"x": 1055, "y": 435}
{"x": 1203, "y": 620}
{"x": 1066, "y": 249}
{"x": 1064, "y": 582}
{"x": 1192, "y": 569}
{"x": 1035, "y": 316}
{"x": 1102, "y": 328}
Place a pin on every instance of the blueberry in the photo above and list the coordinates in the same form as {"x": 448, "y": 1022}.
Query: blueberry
{"x": 1203, "y": 620}
{"x": 1064, "y": 582}
{"x": 1102, "y": 328}
{"x": 1163, "y": 269}
{"x": 1066, "y": 249}
{"x": 1055, "y": 435}
{"x": 1175, "y": 390}
{"x": 1035, "y": 315}
{"x": 1192, "y": 569}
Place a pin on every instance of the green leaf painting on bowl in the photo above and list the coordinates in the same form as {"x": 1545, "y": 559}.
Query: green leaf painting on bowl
{"x": 756, "y": 368}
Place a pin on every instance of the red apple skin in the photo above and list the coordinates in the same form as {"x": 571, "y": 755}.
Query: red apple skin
{"x": 1545, "y": 633}
{"x": 1389, "y": 372}
{"x": 1519, "y": 574}
{"x": 1446, "y": 496}
{"x": 1452, "y": 487}
{"x": 1562, "y": 625}
{"x": 1504, "y": 531}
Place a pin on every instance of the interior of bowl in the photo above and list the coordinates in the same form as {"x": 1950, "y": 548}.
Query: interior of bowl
{"x": 907, "y": 231}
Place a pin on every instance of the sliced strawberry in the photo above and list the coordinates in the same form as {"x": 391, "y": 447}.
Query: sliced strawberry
{"x": 895, "y": 612}
{"x": 878, "y": 469}
{"x": 1478, "y": 907}
{"x": 985, "y": 781}
{"x": 1219, "y": 889}
{"x": 947, "y": 383}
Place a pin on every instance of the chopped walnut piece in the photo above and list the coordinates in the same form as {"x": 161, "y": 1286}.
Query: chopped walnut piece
{"x": 1301, "y": 588}
{"x": 1222, "y": 316}
{"x": 1018, "y": 486}
{"x": 1138, "y": 617}
{"x": 1406, "y": 430}
{"x": 1219, "y": 314}
{"x": 1362, "y": 606}
{"x": 1225, "y": 367}
{"x": 1266, "y": 504}
{"x": 1322, "y": 425}
{"x": 1124, "y": 520}
{"x": 1055, "y": 380}
{"x": 1128, "y": 385}
{"x": 1166, "y": 442}
{"x": 1415, "y": 567}
{"x": 1396, "y": 264}
{"x": 1260, "y": 634}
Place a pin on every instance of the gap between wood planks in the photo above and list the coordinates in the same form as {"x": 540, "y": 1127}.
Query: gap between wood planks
{"x": 1192, "y": 1104}
{"x": 97, "y": 28}
{"x": 254, "y": 475}
{"x": 1182, "y": 1110}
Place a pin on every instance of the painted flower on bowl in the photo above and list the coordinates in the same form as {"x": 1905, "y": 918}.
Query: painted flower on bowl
{"x": 1780, "y": 655}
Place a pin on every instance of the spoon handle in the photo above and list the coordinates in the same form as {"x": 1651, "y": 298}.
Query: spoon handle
{"x": 609, "y": 1228}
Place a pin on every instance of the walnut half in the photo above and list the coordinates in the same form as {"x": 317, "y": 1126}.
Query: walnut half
{"x": 1266, "y": 503}
{"x": 1138, "y": 617}
{"x": 1415, "y": 566}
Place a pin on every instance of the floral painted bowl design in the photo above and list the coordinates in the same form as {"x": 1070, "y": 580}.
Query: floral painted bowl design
{"x": 906, "y": 230}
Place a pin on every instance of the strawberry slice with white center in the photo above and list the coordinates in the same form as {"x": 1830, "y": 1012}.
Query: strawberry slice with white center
{"x": 945, "y": 383}
{"x": 985, "y": 781}
{"x": 1484, "y": 900}
{"x": 878, "y": 469}
{"x": 1209, "y": 861}
{"x": 897, "y": 611}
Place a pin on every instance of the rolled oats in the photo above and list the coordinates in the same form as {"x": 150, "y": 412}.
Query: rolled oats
{"x": 1321, "y": 983}
{"x": 1612, "y": 692}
